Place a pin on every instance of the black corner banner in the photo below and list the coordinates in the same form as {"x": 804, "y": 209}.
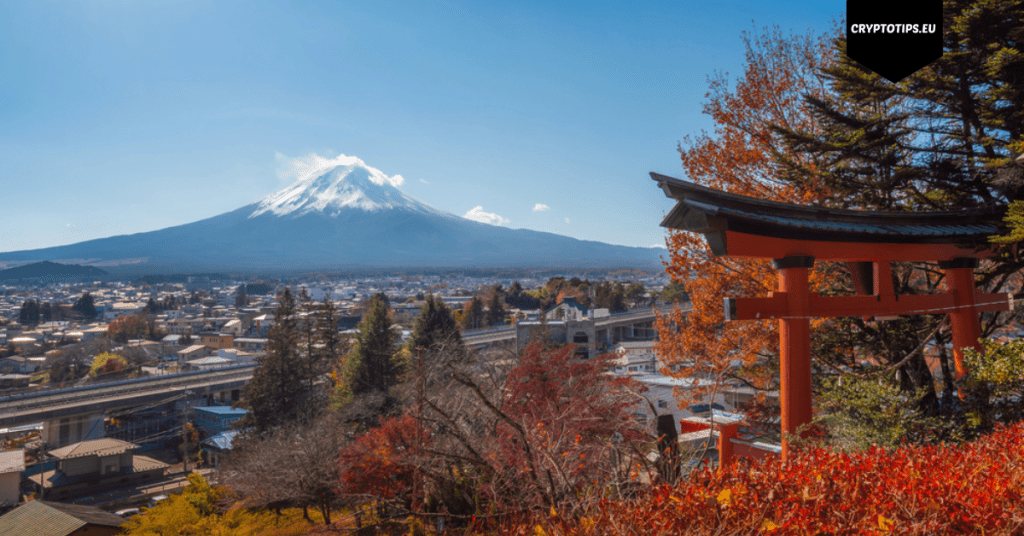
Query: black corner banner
{"x": 892, "y": 38}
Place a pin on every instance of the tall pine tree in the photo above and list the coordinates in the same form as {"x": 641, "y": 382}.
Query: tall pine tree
{"x": 496, "y": 309}
{"x": 942, "y": 139}
{"x": 436, "y": 330}
{"x": 331, "y": 345}
{"x": 277, "y": 393}
{"x": 473, "y": 314}
{"x": 374, "y": 365}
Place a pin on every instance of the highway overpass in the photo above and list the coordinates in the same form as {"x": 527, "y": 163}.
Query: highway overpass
{"x": 55, "y": 407}
{"x": 610, "y": 329}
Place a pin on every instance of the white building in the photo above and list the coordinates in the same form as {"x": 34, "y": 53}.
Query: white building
{"x": 12, "y": 463}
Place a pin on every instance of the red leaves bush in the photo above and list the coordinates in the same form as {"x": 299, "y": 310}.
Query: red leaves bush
{"x": 380, "y": 463}
{"x": 975, "y": 488}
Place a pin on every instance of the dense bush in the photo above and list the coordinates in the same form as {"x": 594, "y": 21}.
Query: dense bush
{"x": 970, "y": 488}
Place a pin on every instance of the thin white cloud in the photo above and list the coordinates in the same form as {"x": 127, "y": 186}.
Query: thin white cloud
{"x": 424, "y": 182}
{"x": 313, "y": 165}
{"x": 658, "y": 246}
{"x": 540, "y": 207}
{"x": 477, "y": 214}
{"x": 567, "y": 220}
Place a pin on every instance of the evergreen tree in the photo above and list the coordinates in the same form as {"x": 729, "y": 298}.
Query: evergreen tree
{"x": 674, "y": 292}
{"x": 85, "y": 306}
{"x": 384, "y": 298}
{"x": 942, "y": 139}
{"x": 374, "y": 364}
{"x": 635, "y": 293}
{"x": 520, "y": 299}
{"x": 496, "y": 310}
{"x": 28, "y": 315}
{"x": 241, "y": 298}
{"x": 46, "y": 312}
{"x": 473, "y": 314}
{"x": 276, "y": 395}
{"x": 332, "y": 345}
{"x": 435, "y": 330}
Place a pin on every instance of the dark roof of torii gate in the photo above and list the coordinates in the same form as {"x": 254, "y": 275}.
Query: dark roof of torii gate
{"x": 713, "y": 212}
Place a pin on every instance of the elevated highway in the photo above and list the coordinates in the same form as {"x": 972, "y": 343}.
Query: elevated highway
{"x": 607, "y": 325}
{"x": 52, "y": 405}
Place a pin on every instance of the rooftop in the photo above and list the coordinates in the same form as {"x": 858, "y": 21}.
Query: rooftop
{"x": 45, "y": 518}
{"x": 93, "y": 447}
{"x": 12, "y": 461}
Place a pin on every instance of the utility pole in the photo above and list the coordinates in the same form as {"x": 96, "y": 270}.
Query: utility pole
{"x": 184, "y": 431}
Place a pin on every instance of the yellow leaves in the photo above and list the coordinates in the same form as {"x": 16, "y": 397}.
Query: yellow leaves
{"x": 725, "y": 497}
{"x": 768, "y": 526}
{"x": 885, "y": 523}
{"x": 539, "y": 531}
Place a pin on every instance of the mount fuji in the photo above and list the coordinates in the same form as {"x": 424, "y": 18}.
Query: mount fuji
{"x": 345, "y": 216}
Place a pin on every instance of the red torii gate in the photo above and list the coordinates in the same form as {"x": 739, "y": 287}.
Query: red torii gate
{"x": 794, "y": 236}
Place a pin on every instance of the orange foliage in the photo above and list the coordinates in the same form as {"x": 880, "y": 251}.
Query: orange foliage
{"x": 380, "y": 463}
{"x": 738, "y": 158}
{"x": 573, "y": 292}
{"x": 127, "y": 327}
{"x": 975, "y": 488}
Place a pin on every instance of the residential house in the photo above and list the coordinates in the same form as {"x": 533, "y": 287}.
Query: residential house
{"x": 217, "y": 448}
{"x": 12, "y": 463}
{"x": 250, "y": 344}
{"x": 14, "y": 364}
{"x": 171, "y": 340}
{"x": 210, "y": 362}
{"x": 567, "y": 309}
{"x": 95, "y": 466}
{"x": 232, "y": 327}
{"x": 195, "y": 351}
{"x": 635, "y": 356}
{"x": 45, "y": 518}
{"x": 214, "y": 419}
{"x": 218, "y": 341}
{"x": 119, "y": 309}
{"x": 95, "y": 332}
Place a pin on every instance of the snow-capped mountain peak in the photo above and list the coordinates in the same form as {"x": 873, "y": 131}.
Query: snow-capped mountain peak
{"x": 343, "y": 183}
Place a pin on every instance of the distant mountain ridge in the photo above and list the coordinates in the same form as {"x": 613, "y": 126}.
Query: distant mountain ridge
{"x": 348, "y": 216}
{"x": 47, "y": 269}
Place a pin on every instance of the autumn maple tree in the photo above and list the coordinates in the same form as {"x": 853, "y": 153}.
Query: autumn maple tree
{"x": 737, "y": 157}
{"x": 127, "y": 327}
{"x": 485, "y": 439}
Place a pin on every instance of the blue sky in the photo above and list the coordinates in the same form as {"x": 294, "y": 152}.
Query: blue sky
{"x": 126, "y": 116}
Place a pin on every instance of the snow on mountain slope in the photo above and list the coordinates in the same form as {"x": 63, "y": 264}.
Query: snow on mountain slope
{"x": 350, "y": 184}
{"x": 339, "y": 214}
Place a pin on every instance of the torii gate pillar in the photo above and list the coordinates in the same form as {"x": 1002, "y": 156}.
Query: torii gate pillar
{"x": 795, "y": 345}
{"x": 964, "y": 317}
